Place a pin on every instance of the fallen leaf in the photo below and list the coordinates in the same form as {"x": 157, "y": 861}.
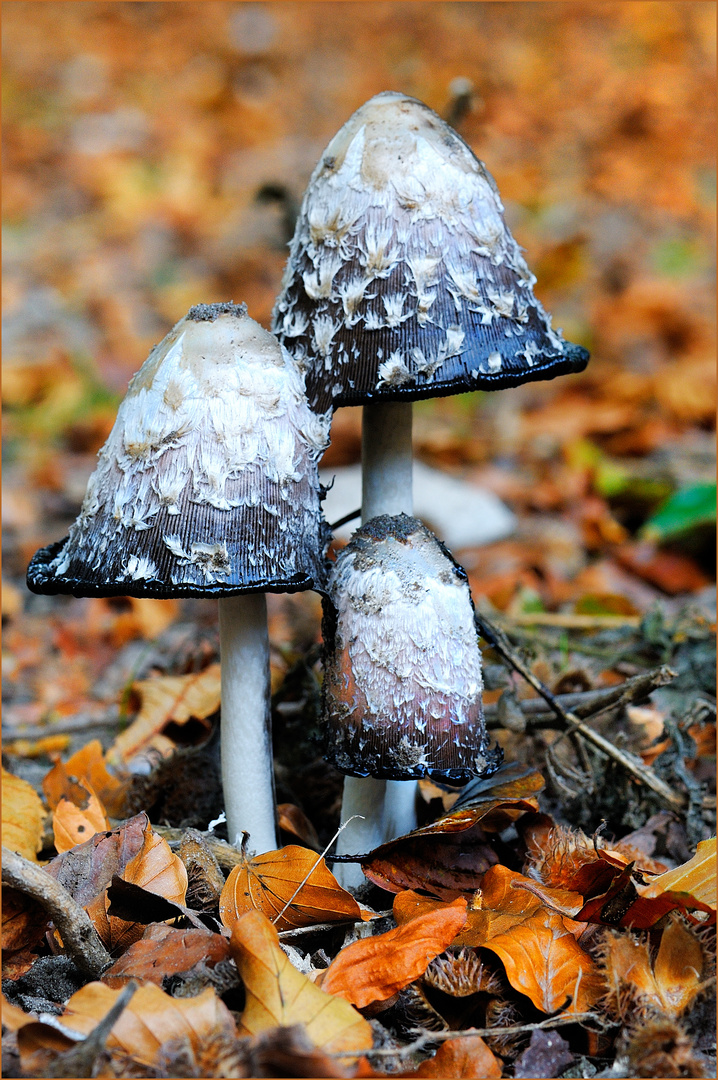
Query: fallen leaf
{"x": 294, "y": 821}
{"x": 409, "y": 905}
{"x": 376, "y": 968}
{"x": 464, "y": 1058}
{"x": 72, "y": 825}
{"x": 13, "y": 1017}
{"x": 24, "y": 921}
{"x": 146, "y": 618}
{"x": 86, "y": 767}
{"x": 23, "y": 816}
{"x": 164, "y": 700}
{"x": 87, "y": 870}
{"x": 696, "y": 878}
{"x": 149, "y": 1020}
{"x": 33, "y": 748}
{"x": 266, "y": 882}
{"x": 280, "y": 996}
{"x": 163, "y": 951}
{"x": 667, "y": 985}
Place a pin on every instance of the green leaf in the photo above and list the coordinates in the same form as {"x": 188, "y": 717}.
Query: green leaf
{"x": 693, "y": 506}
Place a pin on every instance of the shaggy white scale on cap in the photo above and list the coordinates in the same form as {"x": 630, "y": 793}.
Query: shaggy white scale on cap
{"x": 207, "y": 484}
{"x": 402, "y": 684}
{"x": 403, "y": 279}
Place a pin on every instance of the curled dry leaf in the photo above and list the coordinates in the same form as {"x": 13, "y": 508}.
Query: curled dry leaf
{"x": 464, "y": 1058}
{"x": 280, "y": 996}
{"x": 164, "y": 700}
{"x": 73, "y": 824}
{"x": 695, "y": 879}
{"x": 537, "y": 946}
{"x": 150, "y": 1019}
{"x": 376, "y": 968}
{"x": 23, "y": 816}
{"x": 267, "y": 882}
{"x": 295, "y": 822}
{"x": 87, "y": 768}
{"x": 88, "y": 869}
{"x": 163, "y": 951}
{"x": 667, "y": 985}
{"x": 154, "y": 868}
{"x": 449, "y": 857}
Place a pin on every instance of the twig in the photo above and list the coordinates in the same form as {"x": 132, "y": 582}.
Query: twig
{"x": 573, "y": 621}
{"x": 500, "y": 643}
{"x": 286, "y": 935}
{"x": 80, "y": 1060}
{"x": 226, "y": 854}
{"x": 431, "y": 1037}
{"x": 78, "y": 934}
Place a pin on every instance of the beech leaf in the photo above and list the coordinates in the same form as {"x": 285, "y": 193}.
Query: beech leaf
{"x": 86, "y": 870}
{"x": 72, "y": 825}
{"x": 667, "y": 985}
{"x": 23, "y": 816}
{"x": 86, "y": 767}
{"x": 162, "y": 951}
{"x": 697, "y": 877}
{"x": 280, "y": 996}
{"x": 465, "y": 1058}
{"x": 267, "y": 882}
{"x": 376, "y": 968}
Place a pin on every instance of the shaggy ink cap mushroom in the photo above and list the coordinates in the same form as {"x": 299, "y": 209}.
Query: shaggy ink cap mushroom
{"x": 402, "y": 684}
{"x": 403, "y": 279}
{"x": 207, "y": 484}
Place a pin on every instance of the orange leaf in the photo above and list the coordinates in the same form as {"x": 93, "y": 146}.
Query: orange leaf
{"x": 87, "y": 767}
{"x": 73, "y": 825}
{"x": 23, "y": 816}
{"x": 280, "y": 996}
{"x": 668, "y": 985}
{"x": 163, "y": 951}
{"x": 464, "y": 1058}
{"x": 150, "y": 1019}
{"x": 24, "y": 921}
{"x": 167, "y": 699}
{"x": 376, "y": 968}
{"x": 697, "y": 877}
{"x": 86, "y": 870}
{"x": 266, "y": 882}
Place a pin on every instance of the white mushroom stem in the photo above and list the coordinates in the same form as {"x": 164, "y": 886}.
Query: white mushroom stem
{"x": 246, "y": 745}
{"x": 388, "y": 807}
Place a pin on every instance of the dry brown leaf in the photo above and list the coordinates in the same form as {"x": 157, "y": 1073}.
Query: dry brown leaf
{"x": 150, "y": 1019}
{"x": 24, "y": 921}
{"x": 23, "y": 816}
{"x": 697, "y": 877}
{"x": 667, "y": 985}
{"x": 294, "y": 821}
{"x": 280, "y": 996}
{"x": 146, "y": 618}
{"x": 154, "y": 868}
{"x": 163, "y": 951}
{"x": 86, "y": 870}
{"x": 73, "y": 825}
{"x": 167, "y": 699}
{"x": 409, "y": 905}
{"x": 86, "y": 767}
{"x": 376, "y": 968}
{"x": 464, "y": 1058}
{"x": 266, "y": 882}
{"x": 13, "y": 1017}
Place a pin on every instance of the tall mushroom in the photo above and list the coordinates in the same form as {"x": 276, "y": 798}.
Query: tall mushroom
{"x": 401, "y": 697}
{"x": 208, "y": 486}
{"x": 404, "y": 282}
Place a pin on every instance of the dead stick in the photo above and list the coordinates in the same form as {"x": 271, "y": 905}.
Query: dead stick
{"x": 78, "y": 934}
{"x": 498, "y": 641}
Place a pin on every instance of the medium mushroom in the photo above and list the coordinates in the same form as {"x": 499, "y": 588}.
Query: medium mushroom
{"x": 404, "y": 282}
{"x": 208, "y": 486}
{"x": 401, "y": 696}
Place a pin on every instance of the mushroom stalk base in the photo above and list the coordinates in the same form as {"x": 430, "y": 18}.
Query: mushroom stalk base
{"x": 387, "y": 806}
{"x": 247, "y": 772}
{"x": 388, "y": 810}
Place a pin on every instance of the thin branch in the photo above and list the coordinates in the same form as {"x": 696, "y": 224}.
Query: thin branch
{"x": 76, "y": 929}
{"x": 498, "y": 640}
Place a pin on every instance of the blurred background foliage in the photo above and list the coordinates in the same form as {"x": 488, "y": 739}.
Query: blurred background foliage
{"x": 155, "y": 155}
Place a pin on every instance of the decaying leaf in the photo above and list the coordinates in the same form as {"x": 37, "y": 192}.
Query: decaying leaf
{"x": 280, "y": 996}
{"x": 465, "y": 1058}
{"x": 695, "y": 879}
{"x": 164, "y": 700}
{"x": 151, "y": 1019}
{"x": 537, "y": 946}
{"x": 376, "y": 968}
{"x": 267, "y": 882}
{"x": 88, "y": 869}
{"x": 23, "y": 816}
{"x": 86, "y": 769}
{"x": 295, "y": 822}
{"x": 73, "y": 825}
{"x": 24, "y": 921}
{"x": 163, "y": 951}
{"x": 154, "y": 868}
{"x": 667, "y": 984}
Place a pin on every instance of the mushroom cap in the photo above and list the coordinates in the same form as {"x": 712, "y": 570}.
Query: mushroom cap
{"x": 207, "y": 484}
{"x": 403, "y": 280}
{"x": 402, "y": 668}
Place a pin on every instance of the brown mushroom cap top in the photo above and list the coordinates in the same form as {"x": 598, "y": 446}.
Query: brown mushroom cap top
{"x": 402, "y": 682}
{"x": 403, "y": 280}
{"x": 207, "y": 484}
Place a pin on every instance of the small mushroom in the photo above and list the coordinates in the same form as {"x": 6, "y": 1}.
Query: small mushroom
{"x": 402, "y": 684}
{"x": 208, "y": 486}
{"x": 404, "y": 282}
